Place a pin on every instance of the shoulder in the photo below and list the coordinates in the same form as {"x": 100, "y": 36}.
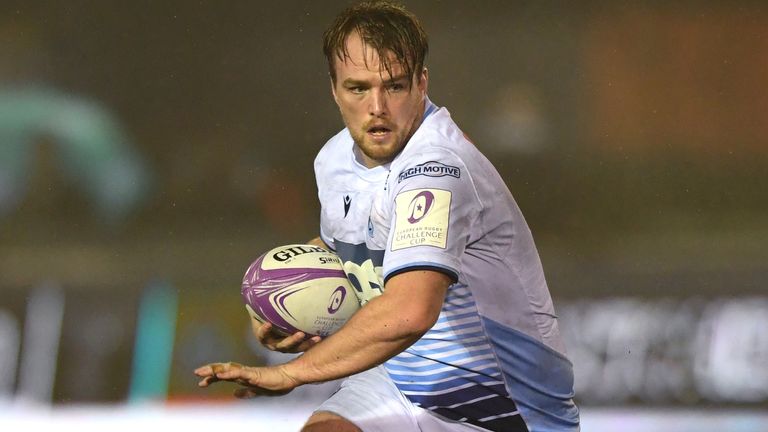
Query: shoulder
{"x": 438, "y": 148}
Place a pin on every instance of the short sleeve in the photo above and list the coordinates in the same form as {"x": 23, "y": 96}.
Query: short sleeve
{"x": 434, "y": 204}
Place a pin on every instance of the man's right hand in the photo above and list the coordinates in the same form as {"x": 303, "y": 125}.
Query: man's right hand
{"x": 275, "y": 341}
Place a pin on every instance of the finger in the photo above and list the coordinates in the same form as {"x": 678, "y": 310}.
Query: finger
{"x": 213, "y": 368}
{"x": 226, "y": 370}
{"x": 309, "y": 343}
{"x": 205, "y": 382}
{"x": 273, "y": 338}
{"x": 291, "y": 342}
{"x": 262, "y": 331}
{"x": 235, "y": 374}
{"x": 255, "y": 325}
{"x": 246, "y": 393}
{"x": 203, "y": 371}
{"x": 252, "y": 392}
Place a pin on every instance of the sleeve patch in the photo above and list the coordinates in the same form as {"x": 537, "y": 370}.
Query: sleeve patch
{"x": 421, "y": 218}
{"x": 429, "y": 169}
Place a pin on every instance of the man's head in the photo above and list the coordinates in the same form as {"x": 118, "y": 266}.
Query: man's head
{"x": 384, "y": 26}
{"x": 376, "y": 52}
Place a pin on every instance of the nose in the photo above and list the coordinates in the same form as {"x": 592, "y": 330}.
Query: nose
{"x": 378, "y": 103}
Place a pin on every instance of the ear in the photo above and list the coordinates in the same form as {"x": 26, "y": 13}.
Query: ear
{"x": 333, "y": 90}
{"x": 423, "y": 80}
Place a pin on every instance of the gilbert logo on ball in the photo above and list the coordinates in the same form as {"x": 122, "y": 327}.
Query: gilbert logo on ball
{"x": 299, "y": 287}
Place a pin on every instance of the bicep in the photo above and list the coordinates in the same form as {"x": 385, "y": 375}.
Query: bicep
{"x": 418, "y": 295}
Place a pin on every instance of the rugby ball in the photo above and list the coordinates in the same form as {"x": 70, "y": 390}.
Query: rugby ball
{"x": 299, "y": 287}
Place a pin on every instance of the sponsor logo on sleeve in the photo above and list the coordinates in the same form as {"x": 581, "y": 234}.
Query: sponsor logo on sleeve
{"x": 421, "y": 218}
{"x": 429, "y": 169}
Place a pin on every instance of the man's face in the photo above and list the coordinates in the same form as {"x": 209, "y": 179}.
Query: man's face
{"x": 380, "y": 110}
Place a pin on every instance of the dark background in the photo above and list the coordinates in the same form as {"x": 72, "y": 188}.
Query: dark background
{"x": 634, "y": 136}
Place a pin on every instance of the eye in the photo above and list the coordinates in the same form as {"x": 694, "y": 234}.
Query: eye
{"x": 356, "y": 90}
{"x": 395, "y": 87}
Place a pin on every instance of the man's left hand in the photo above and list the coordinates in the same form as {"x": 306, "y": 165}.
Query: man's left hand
{"x": 255, "y": 381}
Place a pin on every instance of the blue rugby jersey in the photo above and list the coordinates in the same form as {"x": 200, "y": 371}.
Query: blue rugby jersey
{"x": 495, "y": 357}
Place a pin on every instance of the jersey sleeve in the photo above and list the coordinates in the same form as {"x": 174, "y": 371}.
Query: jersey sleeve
{"x": 434, "y": 205}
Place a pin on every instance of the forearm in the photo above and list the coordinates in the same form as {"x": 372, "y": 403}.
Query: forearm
{"x": 384, "y": 327}
{"x": 370, "y": 337}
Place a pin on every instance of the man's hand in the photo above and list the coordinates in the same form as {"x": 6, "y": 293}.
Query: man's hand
{"x": 274, "y": 341}
{"x": 255, "y": 381}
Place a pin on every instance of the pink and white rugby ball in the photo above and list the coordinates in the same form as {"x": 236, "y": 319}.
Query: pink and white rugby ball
{"x": 299, "y": 287}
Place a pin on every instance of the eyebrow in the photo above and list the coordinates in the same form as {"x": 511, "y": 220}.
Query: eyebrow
{"x": 354, "y": 82}
{"x": 393, "y": 80}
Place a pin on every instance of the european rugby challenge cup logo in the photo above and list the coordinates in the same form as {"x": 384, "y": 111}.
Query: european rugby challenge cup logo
{"x": 337, "y": 298}
{"x": 420, "y": 206}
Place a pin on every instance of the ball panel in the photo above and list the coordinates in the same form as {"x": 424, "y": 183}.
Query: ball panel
{"x": 299, "y": 256}
{"x": 319, "y": 306}
{"x": 253, "y": 314}
{"x": 263, "y": 304}
{"x": 288, "y": 260}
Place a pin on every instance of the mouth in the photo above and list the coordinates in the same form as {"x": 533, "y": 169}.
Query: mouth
{"x": 378, "y": 132}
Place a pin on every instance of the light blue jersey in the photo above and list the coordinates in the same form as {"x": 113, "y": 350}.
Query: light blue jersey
{"x": 495, "y": 357}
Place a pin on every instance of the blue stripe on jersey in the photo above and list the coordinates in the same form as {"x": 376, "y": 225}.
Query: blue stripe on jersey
{"x": 443, "y": 358}
{"x": 427, "y": 367}
{"x": 484, "y": 366}
{"x": 465, "y": 364}
{"x": 358, "y": 253}
{"x": 459, "y": 291}
{"x": 440, "y": 347}
{"x": 460, "y": 314}
{"x": 443, "y": 377}
{"x": 457, "y": 308}
{"x": 457, "y": 303}
{"x": 511, "y": 422}
{"x": 452, "y": 338}
{"x": 440, "y": 375}
{"x": 471, "y": 391}
{"x": 453, "y": 367}
{"x": 457, "y": 326}
{"x": 453, "y": 382}
{"x": 540, "y": 379}
{"x": 488, "y": 400}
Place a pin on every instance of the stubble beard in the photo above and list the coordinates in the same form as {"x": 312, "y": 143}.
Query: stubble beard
{"x": 385, "y": 153}
{"x": 380, "y": 153}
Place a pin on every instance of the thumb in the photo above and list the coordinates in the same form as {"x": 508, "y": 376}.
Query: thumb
{"x": 245, "y": 393}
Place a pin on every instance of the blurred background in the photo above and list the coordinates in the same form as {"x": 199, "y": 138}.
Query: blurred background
{"x": 149, "y": 151}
